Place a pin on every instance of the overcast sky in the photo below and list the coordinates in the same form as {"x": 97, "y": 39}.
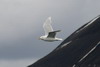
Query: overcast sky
{"x": 21, "y": 24}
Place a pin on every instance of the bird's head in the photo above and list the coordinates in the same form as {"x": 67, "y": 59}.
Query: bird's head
{"x": 42, "y": 38}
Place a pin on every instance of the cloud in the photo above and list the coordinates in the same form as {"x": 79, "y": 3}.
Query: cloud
{"x": 21, "y": 24}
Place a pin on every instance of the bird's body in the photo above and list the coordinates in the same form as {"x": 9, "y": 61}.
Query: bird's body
{"x": 49, "y": 32}
{"x": 50, "y": 39}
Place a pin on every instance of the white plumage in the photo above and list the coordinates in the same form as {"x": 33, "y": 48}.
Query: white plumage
{"x": 47, "y": 26}
{"x": 49, "y": 32}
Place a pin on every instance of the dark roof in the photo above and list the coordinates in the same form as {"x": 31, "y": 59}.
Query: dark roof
{"x": 82, "y": 51}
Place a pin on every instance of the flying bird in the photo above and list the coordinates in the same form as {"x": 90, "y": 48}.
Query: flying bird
{"x": 50, "y": 34}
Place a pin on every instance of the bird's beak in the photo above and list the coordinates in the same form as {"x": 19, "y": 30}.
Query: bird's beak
{"x": 39, "y": 38}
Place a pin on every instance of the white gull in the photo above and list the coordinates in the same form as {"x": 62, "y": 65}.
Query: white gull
{"x": 49, "y": 32}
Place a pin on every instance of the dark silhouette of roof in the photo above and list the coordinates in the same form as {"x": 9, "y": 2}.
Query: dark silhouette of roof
{"x": 80, "y": 49}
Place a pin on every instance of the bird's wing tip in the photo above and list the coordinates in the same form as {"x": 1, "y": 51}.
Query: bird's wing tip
{"x": 49, "y": 17}
{"x": 58, "y": 31}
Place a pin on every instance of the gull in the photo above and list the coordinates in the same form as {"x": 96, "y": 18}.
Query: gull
{"x": 49, "y": 32}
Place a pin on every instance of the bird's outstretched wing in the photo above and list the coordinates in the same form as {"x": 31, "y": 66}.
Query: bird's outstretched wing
{"x": 47, "y": 26}
{"x": 52, "y": 34}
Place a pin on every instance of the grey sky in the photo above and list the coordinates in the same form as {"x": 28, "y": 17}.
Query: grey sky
{"x": 21, "y": 25}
